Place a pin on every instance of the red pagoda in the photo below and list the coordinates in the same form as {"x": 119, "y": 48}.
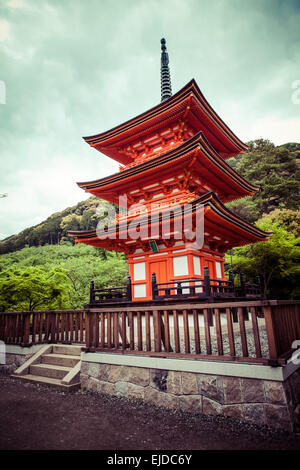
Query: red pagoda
{"x": 172, "y": 165}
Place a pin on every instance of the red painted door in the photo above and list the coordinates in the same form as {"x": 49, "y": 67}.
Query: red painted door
{"x": 160, "y": 270}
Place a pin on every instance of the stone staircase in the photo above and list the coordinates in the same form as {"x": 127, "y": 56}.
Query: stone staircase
{"x": 57, "y": 365}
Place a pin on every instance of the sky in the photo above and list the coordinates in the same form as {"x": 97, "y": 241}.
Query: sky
{"x": 74, "y": 68}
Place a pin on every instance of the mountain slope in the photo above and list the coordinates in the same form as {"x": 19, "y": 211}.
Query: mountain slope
{"x": 54, "y": 229}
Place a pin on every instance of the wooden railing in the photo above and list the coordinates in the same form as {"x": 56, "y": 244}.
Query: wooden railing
{"x": 112, "y": 294}
{"x": 249, "y": 331}
{"x": 192, "y": 288}
{"x": 27, "y": 328}
{"x": 204, "y": 288}
{"x": 201, "y": 288}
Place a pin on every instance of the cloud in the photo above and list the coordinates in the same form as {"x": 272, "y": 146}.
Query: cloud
{"x": 4, "y": 30}
{"x": 72, "y": 70}
{"x": 16, "y": 3}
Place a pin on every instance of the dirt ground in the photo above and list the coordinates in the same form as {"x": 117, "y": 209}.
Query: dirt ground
{"x": 36, "y": 417}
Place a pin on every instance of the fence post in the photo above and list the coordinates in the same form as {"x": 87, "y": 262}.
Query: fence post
{"x": 271, "y": 334}
{"x": 206, "y": 281}
{"x": 243, "y": 285}
{"x": 179, "y": 289}
{"x": 26, "y": 328}
{"x": 154, "y": 286}
{"x": 259, "y": 284}
{"x": 231, "y": 281}
{"x": 52, "y": 327}
{"x": 92, "y": 292}
{"x": 157, "y": 330}
{"x": 128, "y": 288}
{"x": 88, "y": 329}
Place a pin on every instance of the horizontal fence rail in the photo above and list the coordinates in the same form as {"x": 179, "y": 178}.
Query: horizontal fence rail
{"x": 248, "y": 331}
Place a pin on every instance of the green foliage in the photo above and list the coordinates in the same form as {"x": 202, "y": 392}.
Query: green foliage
{"x": 33, "y": 270}
{"x": 276, "y": 171}
{"x": 276, "y": 261}
{"x": 31, "y": 288}
{"x": 245, "y": 208}
{"x": 289, "y": 219}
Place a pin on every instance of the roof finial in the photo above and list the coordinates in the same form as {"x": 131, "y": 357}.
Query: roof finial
{"x": 166, "y": 90}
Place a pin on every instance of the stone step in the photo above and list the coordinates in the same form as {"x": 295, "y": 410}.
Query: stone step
{"x": 66, "y": 360}
{"x": 54, "y": 383}
{"x": 67, "y": 349}
{"x": 49, "y": 370}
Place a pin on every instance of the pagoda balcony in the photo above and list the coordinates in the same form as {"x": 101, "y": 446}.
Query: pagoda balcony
{"x": 200, "y": 289}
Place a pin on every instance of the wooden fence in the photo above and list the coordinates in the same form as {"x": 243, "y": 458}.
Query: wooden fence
{"x": 27, "y": 328}
{"x": 248, "y": 331}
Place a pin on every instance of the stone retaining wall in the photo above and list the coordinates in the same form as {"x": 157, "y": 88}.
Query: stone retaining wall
{"x": 265, "y": 402}
{"x": 15, "y": 356}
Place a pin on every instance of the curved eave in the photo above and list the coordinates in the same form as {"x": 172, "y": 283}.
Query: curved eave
{"x": 197, "y": 141}
{"x": 173, "y": 106}
{"x": 209, "y": 200}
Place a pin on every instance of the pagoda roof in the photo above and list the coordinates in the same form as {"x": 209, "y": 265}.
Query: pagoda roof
{"x": 222, "y": 223}
{"x": 208, "y": 164}
{"x": 189, "y": 104}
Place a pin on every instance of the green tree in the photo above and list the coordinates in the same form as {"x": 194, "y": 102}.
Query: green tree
{"x": 33, "y": 288}
{"x": 245, "y": 208}
{"x": 80, "y": 263}
{"x": 287, "y": 218}
{"x": 276, "y": 261}
{"x": 276, "y": 171}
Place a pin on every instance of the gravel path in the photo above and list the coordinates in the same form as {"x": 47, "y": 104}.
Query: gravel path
{"x": 37, "y": 417}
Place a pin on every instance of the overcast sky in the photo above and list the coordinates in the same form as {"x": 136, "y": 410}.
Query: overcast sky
{"x": 72, "y": 68}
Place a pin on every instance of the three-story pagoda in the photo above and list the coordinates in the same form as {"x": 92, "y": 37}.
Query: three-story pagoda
{"x": 172, "y": 166}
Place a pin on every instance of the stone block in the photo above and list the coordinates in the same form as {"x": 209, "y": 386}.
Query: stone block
{"x": 84, "y": 368}
{"x": 174, "y": 383}
{"x": 104, "y": 370}
{"x": 136, "y": 392}
{"x": 254, "y": 412}
{"x": 93, "y": 384}
{"x": 274, "y": 393}
{"x": 278, "y": 416}
{"x": 162, "y": 399}
{"x": 151, "y": 395}
{"x": 189, "y": 384}
{"x": 121, "y": 389}
{"x": 118, "y": 374}
{"x": 139, "y": 376}
{"x": 233, "y": 411}
{"x": 84, "y": 381}
{"x": 93, "y": 369}
{"x": 158, "y": 379}
{"x": 191, "y": 403}
{"x": 292, "y": 388}
{"x": 211, "y": 407}
{"x": 252, "y": 391}
{"x": 107, "y": 388}
{"x": 232, "y": 390}
{"x": 211, "y": 386}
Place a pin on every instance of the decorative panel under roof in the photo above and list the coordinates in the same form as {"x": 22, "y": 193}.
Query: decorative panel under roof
{"x": 222, "y": 226}
{"x": 187, "y": 108}
{"x": 194, "y": 166}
